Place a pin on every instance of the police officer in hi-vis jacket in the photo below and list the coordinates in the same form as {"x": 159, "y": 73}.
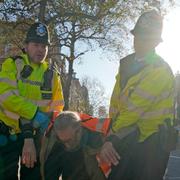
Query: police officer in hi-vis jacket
{"x": 141, "y": 108}
{"x": 30, "y": 92}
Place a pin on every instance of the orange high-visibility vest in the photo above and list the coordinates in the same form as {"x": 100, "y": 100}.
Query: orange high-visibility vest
{"x": 105, "y": 167}
{"x": 95, "y": 124}
{"x": 101, "y": 125}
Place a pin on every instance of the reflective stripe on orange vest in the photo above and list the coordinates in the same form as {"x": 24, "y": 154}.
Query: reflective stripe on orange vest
{"x": 105, "y": 167}
{"x": 101, "y": 125}
{"x": 95, "y": 124}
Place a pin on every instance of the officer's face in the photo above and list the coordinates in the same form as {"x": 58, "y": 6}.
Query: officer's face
{"x": 70, "y": 137}
{"x": 37, "y": 52}
{"x": 143, "y": 44}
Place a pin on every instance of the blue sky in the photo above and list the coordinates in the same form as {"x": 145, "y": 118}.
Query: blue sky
{"x": 95, "y": 65}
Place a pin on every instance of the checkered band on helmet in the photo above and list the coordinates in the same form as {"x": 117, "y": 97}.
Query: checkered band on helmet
{"x": 38, "y": 32}
{"x": 149, "y": 23}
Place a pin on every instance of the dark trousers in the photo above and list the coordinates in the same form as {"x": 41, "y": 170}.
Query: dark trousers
{"x": 30, "y": 173}
{"x": 9, "y": 163}
{"x": 140, "y": 161}
{"x": 9, "y": 155}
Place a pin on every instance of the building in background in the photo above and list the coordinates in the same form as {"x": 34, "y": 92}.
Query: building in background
{"x": 79, "y": 98}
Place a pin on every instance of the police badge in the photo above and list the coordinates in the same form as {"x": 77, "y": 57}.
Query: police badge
{"x": 41, "y": 30}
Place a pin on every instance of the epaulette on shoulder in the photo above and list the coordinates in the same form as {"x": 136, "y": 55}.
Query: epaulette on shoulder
{"x": 126, "y": 62}
{"x": 127, "y": 59}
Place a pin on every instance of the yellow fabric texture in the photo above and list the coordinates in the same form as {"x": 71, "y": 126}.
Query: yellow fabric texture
{"x": 158, "y": 83}
{"x": 22, "y": 103}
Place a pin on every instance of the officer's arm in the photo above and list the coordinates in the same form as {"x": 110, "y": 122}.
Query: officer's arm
{"x": 157, "y": 94}
{"x": 10, "y": 97}
{"x": 114, "y": 102}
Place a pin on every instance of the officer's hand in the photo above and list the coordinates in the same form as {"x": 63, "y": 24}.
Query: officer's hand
{"x": 109, "y": 154}
{"x": 29, "y": 153}
{"x": 41, "y": 120}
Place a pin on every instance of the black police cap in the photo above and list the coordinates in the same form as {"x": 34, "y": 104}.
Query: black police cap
{"x": 38, "y": 32}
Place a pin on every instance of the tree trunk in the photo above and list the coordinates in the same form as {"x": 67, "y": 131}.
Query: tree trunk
{"x": 70, "y": 68}
{"x": 68, "y": 85}
{"x": 42, "y": 11}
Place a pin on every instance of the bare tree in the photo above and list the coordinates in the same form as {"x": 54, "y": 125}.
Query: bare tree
{"x": 96, "y": 92}
{"x": 82, "y": 22}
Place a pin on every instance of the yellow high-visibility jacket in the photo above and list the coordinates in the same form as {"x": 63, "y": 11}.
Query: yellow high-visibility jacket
{"x": 146, "y": 98}
{"x": 20, "y": 97}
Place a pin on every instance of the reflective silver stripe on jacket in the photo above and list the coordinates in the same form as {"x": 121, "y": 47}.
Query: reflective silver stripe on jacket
{"x": 41, "y": 102}
{"x": 9, "y": 81}
{"x": 141, "y": 112}
{"x": 56, "y": 103}
{"x": 27, "y": 81}
{"x": 11, "y": 115}
{"x": 150, "y": 97}
{"x": 156, "y": 113}
{"x": 44, "y": 103}
{"x": 131, "y": 106}
{"x": 99, "y": 125}
{"x": 125, "y": 131}
{"x": 7, "y": 94}
{"x": 3, "y": 97}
